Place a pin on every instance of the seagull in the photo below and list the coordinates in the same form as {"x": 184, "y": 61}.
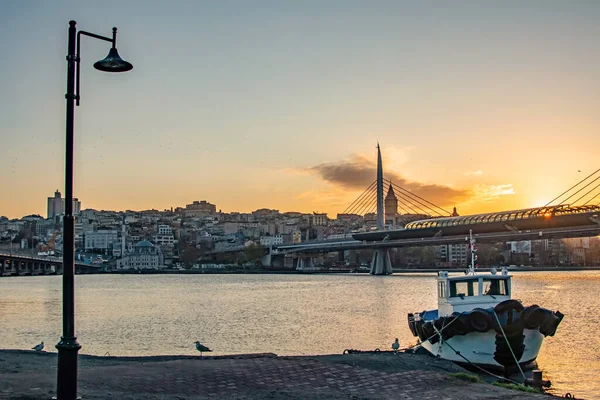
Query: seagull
{"x": 395, "y": 345}
{"x": 38, "y": 347}
{"x": 201, "y": 348}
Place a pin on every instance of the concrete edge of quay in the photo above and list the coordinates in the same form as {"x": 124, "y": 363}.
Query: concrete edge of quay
{"x": 32, "y": 375}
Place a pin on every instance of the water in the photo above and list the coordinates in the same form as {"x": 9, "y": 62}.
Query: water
{"x": 283, "y": 314}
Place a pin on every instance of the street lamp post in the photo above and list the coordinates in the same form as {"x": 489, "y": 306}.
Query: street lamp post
{"x": 68, "y": 346}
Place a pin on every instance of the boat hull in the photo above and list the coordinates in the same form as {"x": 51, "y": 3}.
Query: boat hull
{"x": 479, "y": 348}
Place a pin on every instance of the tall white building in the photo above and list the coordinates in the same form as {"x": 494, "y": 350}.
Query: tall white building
{"x": 56, "y": 205}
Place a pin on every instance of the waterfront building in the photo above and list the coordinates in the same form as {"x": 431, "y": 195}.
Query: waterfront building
{"x": 454, "y": 254}
{"x": 144, "y": 255}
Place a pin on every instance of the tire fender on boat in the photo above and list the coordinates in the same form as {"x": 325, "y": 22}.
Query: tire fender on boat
{"x": 532, "y": 316}
{"x": 460, "y": 324}
{"x": 507, "y": 305}
{"x": 480, "y": 320}
{"x": 550, "y": 322}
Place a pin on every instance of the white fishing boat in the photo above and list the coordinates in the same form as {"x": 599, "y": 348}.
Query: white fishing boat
{"x": 477, "y": 322}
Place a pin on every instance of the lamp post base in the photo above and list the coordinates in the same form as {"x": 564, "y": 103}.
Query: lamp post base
{"x": 66, "y": 387}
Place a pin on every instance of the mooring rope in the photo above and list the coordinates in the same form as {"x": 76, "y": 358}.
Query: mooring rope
{"x": 509, "y": 346}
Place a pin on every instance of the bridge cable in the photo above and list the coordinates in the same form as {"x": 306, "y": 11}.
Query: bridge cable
{"x": 410, "y": 204}
{"x": 366, "y": 198}
{"x": 353, "y": 206}
{"x": 596, "y": 195}
{"x": 365, "y": 204}
{"x": 580, "y": 191}
{"x": 421, "y": 198}
{"x": 590, "y": 191}
{"x": 412, "y": 196}
{"x": 358, "y": 199}
{"x": 569, "y": 189}
{"x": 413, "y": 204}
{"x": 410, "y": 200}
{"x": 413, "y": 211}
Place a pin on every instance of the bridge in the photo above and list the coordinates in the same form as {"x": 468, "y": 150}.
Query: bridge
{"x": 574, "y": 213}
{"x": 19, "y": 265}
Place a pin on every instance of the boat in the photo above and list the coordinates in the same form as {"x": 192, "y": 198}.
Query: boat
{"x": 477, "y": 322}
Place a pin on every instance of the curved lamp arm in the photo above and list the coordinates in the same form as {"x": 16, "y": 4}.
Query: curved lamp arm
{"x": 78, "y": 58}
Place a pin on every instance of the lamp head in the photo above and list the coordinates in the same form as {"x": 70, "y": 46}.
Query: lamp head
{"x": 113, "y": 63}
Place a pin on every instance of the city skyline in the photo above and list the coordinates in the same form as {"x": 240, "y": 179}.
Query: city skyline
{"x": 483, "y": 107}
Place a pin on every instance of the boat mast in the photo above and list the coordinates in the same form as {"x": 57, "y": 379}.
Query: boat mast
{"x": 473, "y": 251}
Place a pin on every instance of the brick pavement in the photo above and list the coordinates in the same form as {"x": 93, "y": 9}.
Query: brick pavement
{"x": 253, "y": 378}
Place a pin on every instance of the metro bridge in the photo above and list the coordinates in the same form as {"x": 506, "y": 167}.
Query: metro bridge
{"x": 580, "y": 218}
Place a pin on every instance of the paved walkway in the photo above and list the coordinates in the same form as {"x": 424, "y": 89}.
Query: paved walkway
{"x": 249, "y": 378}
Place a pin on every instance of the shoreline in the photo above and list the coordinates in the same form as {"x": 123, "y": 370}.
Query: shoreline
{"x": 432, "y": 271}
{"x": 384, "y": 375}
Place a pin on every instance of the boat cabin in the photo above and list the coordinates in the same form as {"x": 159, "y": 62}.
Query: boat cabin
{"x": 463, "y": 293}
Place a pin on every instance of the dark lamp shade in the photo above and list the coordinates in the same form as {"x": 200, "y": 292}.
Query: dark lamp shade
{"x": 113, "y": 63}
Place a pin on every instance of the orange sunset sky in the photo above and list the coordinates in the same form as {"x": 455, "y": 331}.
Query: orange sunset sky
{"x": 480, "y": 105}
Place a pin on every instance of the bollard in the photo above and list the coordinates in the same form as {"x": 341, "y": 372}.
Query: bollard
{"x": 536, "y": 379}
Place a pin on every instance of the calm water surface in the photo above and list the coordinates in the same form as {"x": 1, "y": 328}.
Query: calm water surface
{"x": 284, "y": 314}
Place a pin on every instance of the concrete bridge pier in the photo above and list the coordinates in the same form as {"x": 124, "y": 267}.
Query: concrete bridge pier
{"x": 381, "y": 263}
{"x": 4, "y": 267}
{"x": 305, "y": 263}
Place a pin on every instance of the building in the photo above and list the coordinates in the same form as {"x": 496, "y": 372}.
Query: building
{"x": 391, "y": 204}
{"x": 164, "y": 230}
{"x": 274, "y": 240}
{"x": 144, "y": 255}
{"x": 56, "y": 205}
{"x": 43, "y": 227}
{"x": 101, "y": 240}
{"x": 318, "y": 219}
{"x": 456, "y": 254}
{"x": 199, "y": 209}
{"x": 164, "y": 240}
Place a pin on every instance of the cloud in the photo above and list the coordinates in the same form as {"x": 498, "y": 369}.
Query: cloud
{"x": 492, "y": 192}
{"x": 474, "y": 173}
{"x": 358, "y": 172}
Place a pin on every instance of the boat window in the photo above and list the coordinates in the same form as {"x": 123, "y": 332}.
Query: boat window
{"x": 442, "y": 289}
{"x": 462, "y": 288}
{"x": 493, "y": 287}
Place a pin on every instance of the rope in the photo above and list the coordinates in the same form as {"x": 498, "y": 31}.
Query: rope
{"x": 478, "y": 367}
{"x": 509, "y": 346}
{"x": 465, "y": 358}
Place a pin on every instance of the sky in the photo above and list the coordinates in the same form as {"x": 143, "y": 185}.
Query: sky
{"x": 481, "y": 105}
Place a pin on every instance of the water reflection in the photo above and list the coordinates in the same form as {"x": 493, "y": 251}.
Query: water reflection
{"x": 283, "y": 314}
